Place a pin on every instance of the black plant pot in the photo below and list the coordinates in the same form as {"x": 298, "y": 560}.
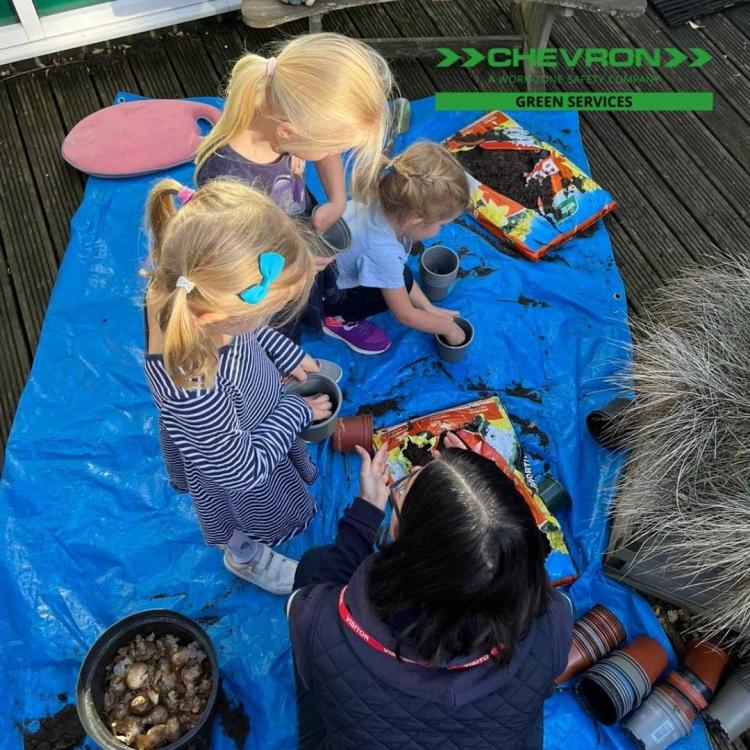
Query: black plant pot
{"x": 605, "y": 424}
{"x": 91, "y": 678}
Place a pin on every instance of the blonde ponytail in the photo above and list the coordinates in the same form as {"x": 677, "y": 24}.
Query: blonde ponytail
{"x": 160, "y": 208}
{"x": 245, "y": 97}
{"x": 424, "y": 181}
{"x": 207, "y": 252}
{"x": 331, "y": 89}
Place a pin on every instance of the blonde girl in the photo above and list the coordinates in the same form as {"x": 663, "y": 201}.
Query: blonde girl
{"x": 317, "y": 96}
{"x": 419, "y": 192}
{"x": 223, "y": 261}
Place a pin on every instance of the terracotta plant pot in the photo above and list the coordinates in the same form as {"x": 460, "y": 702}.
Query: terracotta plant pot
{"x": 439, "y": 269}
{"x": 577, "y": 662}
{"x": 315, "y": 384}
{"x": 595, "y": 635}
{"x": 707, "y": 661}
{"x": 730, "y": 710}
{"x": 456, "y": 353}
{"x": 353, "y": 431}
{"x": 649, "y": 655}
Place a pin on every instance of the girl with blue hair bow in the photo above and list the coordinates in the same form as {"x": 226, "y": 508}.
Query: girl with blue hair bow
{"x": 221, "y": 266}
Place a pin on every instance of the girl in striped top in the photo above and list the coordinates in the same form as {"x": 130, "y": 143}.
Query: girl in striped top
{"x": 220, "y": 267}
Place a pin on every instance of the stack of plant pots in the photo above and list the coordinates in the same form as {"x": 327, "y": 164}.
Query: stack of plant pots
{"x": 613, "y": 687}
{"x": 439, "y": 269}
{"x": 669, "y": 712}
{"x": 352, "y": 432}
{"x": 595, "y": 636}
{"x": 730, "y": 712}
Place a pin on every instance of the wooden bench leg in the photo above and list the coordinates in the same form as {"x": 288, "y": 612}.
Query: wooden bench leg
{"x": 534, "y": 23}
{"x": 315, "y": 23}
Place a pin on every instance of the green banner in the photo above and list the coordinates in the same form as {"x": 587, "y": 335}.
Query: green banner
{"x": 590, "y": 101}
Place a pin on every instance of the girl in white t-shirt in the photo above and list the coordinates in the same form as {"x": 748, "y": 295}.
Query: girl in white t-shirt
{"x": 420, "y": 191}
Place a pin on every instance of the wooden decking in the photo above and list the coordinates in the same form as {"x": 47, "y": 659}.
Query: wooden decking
{"x": 683, "y": 179}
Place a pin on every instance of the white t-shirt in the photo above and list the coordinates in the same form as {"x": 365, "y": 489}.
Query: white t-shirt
{"x": 376, "y": 257}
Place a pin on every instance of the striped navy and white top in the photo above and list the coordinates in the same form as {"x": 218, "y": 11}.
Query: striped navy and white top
{"x": 236, "y": 447}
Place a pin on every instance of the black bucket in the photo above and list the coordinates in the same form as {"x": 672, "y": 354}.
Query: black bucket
{"x": 605, "y": 424}
{"x": 91, "y": 678}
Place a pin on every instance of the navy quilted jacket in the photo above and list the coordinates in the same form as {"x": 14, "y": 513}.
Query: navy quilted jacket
{"x": 368, "y": 700}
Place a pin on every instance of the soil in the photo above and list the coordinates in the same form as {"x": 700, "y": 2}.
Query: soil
{"x": 414, "y": 363}
{"x": 60, "y": 731}
{"x": 208, "y": 620}
{"x": 520, "y": 391}
{"x": 480, "y": 387}
{"x": 528, "y": 427}
{"x": 478, "y": 271}
{"x": 502, "y": 247}
{"x": 528, "y": 302}
{"x": 235, "y": 723}
{"x": 507, "y": 173}
{"x": 380, "y": 408}
{"x": 418, "y": 455}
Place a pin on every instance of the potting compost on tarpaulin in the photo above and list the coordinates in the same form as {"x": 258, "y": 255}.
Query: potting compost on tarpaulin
{"x": 93, "y": 532}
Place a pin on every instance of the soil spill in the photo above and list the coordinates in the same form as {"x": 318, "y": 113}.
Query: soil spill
{"x": 60, "y": 731}
{"x": 380, "y": 408}
{"x": 235, "y": 723}
{"x": 529, "y": 427}
{"x": 208, "y": 620}
{"x": 480, "y": 387}
{"x": 528, "y": 302}
{"x": 520, "y": 391}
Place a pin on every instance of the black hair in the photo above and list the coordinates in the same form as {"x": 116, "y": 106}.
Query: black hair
{"x": 466, "y": 572}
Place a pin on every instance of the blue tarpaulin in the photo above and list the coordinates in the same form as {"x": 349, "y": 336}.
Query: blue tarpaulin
{"x": 93, "y": 532}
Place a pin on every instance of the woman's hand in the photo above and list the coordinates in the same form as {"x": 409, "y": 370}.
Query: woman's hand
{"x": 307, "y": 365}
{"x": 373, "y": 474}
{"x": 320, "y": 405}
{"x": 454, "y": 334}
{"x": 326, "y": 215}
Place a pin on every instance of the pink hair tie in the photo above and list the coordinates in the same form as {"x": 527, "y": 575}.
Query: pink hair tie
{"x": 185, "y": 194}
{"x": 270, "y": 66}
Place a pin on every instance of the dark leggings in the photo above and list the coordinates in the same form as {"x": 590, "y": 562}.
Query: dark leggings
{"x": 362, "y": 302}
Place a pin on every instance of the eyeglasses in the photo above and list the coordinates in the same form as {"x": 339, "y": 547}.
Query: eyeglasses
{"x": 397, "y": 493}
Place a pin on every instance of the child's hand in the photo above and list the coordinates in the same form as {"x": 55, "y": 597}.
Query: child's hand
{"x": 308, "y": 364}
{"x": 455, "y": 335}
{"x": 443, "y": 313}
{"x": 326, "y": 215}
{"x": 320, "y": 405}
{"x": 373, "y": 475}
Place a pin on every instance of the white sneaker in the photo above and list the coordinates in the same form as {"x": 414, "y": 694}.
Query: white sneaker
{"x": 269, "y": 571}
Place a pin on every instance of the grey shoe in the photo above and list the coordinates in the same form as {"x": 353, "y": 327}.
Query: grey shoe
{"x": 269, "y": 571}
{"x": 330, "y": 370}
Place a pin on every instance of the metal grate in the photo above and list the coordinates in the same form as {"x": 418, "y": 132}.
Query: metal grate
{"x": 677, "y": 12}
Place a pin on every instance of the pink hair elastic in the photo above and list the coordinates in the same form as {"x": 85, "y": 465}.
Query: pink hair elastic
{"x": 270, "y": 66}
{"x": 185, "y": 194}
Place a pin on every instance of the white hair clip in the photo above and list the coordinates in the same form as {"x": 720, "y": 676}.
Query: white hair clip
{"x": 183, "y": 283}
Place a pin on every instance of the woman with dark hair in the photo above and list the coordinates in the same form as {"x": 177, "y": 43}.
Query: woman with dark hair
{"x": 450, "y": 636}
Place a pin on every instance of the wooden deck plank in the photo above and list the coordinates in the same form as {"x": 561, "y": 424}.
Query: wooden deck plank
{"x": 729, "y": 120}
{"x": 74, "y": 93}
{"x": 58, "y": 185}
{"x": 189, "y": 58}
{"x": 110, "y": 74}
{"x": 29, "y": 251}
{"x": 153, "y": 71}
{"x": 681, "y": 150}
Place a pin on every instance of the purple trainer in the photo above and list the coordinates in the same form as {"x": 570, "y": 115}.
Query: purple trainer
{"x": 361, "y": 335}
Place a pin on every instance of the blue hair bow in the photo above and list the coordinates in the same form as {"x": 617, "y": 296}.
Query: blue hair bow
{"x": 271, "y": 265}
